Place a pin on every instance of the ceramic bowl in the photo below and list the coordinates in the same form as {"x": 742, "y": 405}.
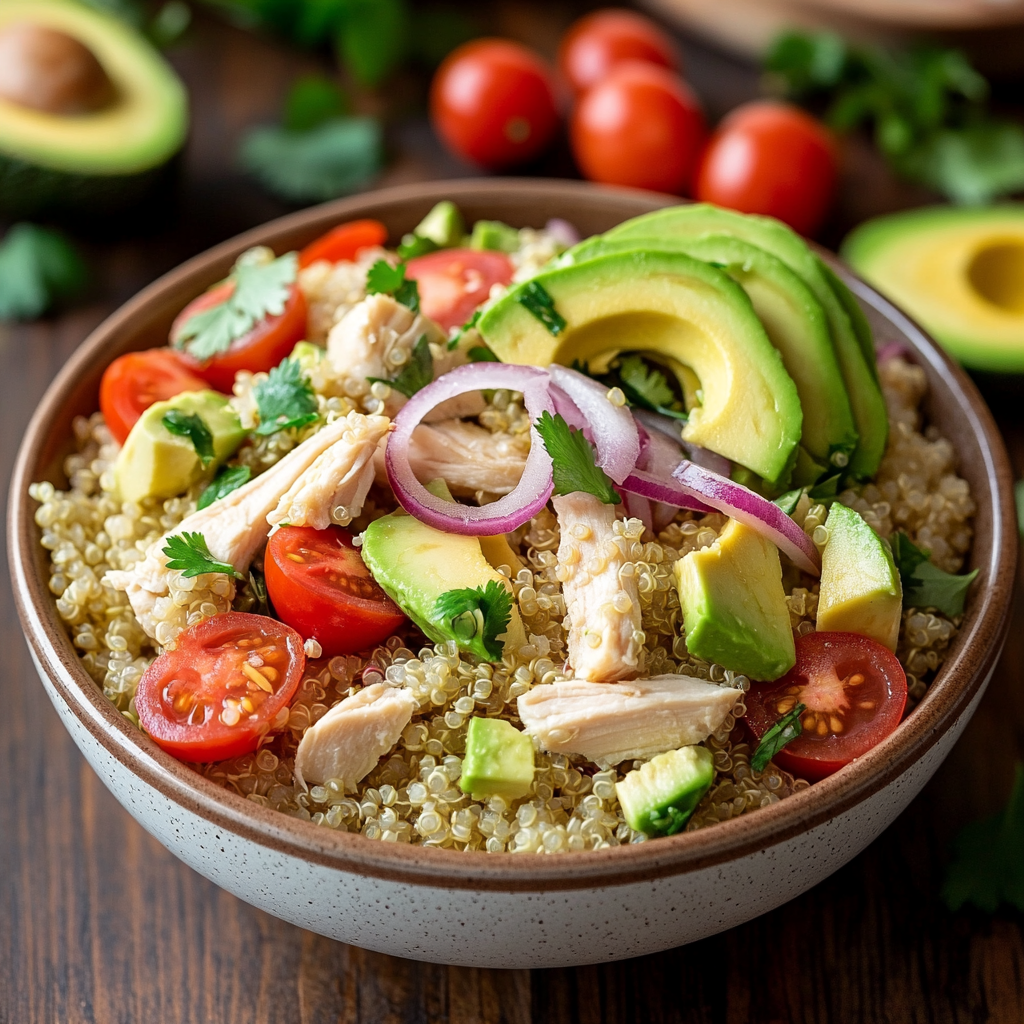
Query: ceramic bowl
{"x": 505, "y": 910}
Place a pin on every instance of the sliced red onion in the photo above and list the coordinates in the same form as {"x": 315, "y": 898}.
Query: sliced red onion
{"x": 662, "y": 514}
{"x": 562, "y": 231}
{"x": 638, "y": 507}
{"x": 657, "y": 489}
{"x": 752, "y": 510}
{"x": 667, "y": 427}
{"x": 893, "y": 350}
{"x": 504, "y": 515}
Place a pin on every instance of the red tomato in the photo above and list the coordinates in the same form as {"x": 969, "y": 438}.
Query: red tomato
{"x": 771, "y": 158}
{"x": 493, "y": 102}
{"x": 599, "y": 41}
{"x": 216, "y": 695}
{"x": 133, "y": 382}
{"x": 641, "y": 126}
{"x": 344, "y": 242}
{"x": 261, "y": 349}
{"x": 453, "y": 282}
{"x": 855, "y": 691}
{"x": 320, "y": 586}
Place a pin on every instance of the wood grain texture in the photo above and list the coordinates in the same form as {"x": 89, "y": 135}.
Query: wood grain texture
{"x": 98, "y": 923}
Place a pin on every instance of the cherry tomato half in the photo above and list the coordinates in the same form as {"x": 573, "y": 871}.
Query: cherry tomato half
{"x": 320, "y": 586}
{"x": 598, "y": 41}
{"x": 855, "y": 691}
{"x": 771, "y": 158}
{"x": 216, "y": 695}
{"x": 641, "y": 126}
{"x": 453, "y": 282}
{"x": 344, "y": 242}
{"x": 133, "y": 382}
{"x": 493, "y": 102}
{"x": 261, "y": 349}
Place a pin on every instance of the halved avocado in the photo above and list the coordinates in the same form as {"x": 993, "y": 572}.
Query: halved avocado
{"x": 681, "y": 310}
{"x": 855, "y": 361}
{"x": 106, "y": 157}
{"x": 960, "y": 272}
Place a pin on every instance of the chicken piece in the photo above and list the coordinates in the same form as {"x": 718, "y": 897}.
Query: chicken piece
{"x": 334, "y": 488}
{"x": 352, "y": 737}
{"x": 332, "y": 289}
{"x": 602, "y": 602}
{"x": 612, "y": 722}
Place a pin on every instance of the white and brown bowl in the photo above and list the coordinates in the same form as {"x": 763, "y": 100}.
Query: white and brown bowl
{"x": 505, "y": 910}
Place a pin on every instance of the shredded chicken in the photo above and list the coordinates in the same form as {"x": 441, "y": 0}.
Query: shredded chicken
{"x": 609, "y": 723}
{"x": 601, "y": 600}
{"x": 332, "y": 289}
{"x": 351, "y": 738}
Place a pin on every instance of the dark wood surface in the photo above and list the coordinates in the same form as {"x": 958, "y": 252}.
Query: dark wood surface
{"x": 99, "y": 923}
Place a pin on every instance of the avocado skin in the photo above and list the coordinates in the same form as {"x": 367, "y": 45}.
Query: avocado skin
{"x": 659, "y": 797}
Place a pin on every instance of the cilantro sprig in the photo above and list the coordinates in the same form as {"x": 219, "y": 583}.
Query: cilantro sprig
{"x": 191, "y": 425}
{"x": 643, "y": 383}
{"x": 477, "y": 616}
{"x": 784, "y": 731}
{"x": 926, "y": 585}
{"x": 572, "y": 459}
{"x": 417, "y": 373}
{"x": 188, "y": 553}
{"x": 537, "y": 300}
{"x": 382, "y": 278}
{"x": 38, "y": 268}
{"x": 285, "y": 399}
{"x": 229, "y": 479}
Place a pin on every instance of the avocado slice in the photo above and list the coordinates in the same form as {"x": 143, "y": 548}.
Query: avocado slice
{"x": 494, "y": 234}
{"x": 498, "y": 760}
{"x": 102, "y": 161}
{"x": 676, "y": 308}
{"x": 659, "y": 797}
{"x": 443, "y": 225}
{"x": 958, "y": 271}
{"x": 734, "y": 606}
{"x": 860, "y": 587}
{"x": 865, "y": 396}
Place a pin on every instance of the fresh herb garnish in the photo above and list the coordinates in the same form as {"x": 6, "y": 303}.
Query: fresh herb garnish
{"x": 825, "y": 491}
{"x": 643, "y": 384}
{"x": 789, "y": 501}
{"x": 477, "y": 616}
{"x": 388, "y": 280}
{"x": 536, "y": 300}
{"x": 784, "y": 731}
{"x": 191, "y": 425}
{"x": 38, "y": 268}
{"x": 482, "y": 354}
{"x": 188, "y": 553}
{"x": 285, "y": 399}
{"x": 417, "y": 373}
{"x": 572, "y": 459}
{"x": 926, "y": 585}
{"x": 260, "y": 290}
{"x": 454, "y": 340}
{"x": 229, "y": 479}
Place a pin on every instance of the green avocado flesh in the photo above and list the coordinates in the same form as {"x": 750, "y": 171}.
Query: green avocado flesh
{"x": 864, "y": 394}
{"x": 658, "y": 797}
{"x": 734, "y": 605}
{"x": 676, "y": 308}
{"x": 443, "y": 225}
{"x": 498, "y": 760}
{"x": 958, "y": 271}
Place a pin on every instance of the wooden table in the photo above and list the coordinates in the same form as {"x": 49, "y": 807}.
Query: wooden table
{"x": 99, "y": 923}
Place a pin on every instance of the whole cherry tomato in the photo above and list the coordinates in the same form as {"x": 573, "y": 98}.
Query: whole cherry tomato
{"x": 453, "y": 282}
{"x": 771, "y": 158}
{"x": 493, "y": 102}
{"x": 344, "y": 242}
{"x": 641, "y": 126}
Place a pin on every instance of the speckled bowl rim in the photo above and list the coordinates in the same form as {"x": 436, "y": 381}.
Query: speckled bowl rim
{"x": 973, "y": 654}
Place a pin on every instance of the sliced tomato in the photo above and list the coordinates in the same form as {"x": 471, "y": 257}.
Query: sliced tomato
{"x": 216, "y": 695}
{"x": 854, "y": 690}
{"x": 260, "y": 349}
{"x": 344, "y": 242}
{"x": 133, "y": 382}
{"x": 453, "y": 282}
{"x": 319, "y": 585}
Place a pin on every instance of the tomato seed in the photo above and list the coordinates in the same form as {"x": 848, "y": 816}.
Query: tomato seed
{"x": 296, "y": 558}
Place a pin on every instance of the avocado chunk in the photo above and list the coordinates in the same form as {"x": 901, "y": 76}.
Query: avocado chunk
{"x": 734, "y": 606}
{"x": 493, "y": 234}
{"x": 659, "y": 797}
{"x": 498, "y": 761}
{"x": 678, "y": 310}
{"x": 865, "y": 396}
{"x": 958, "y": 271}
{"x": 860, "y": 587}
{"x": 154, "y": 463}
{"x": 443, "y": 225}
{"x": 101, "y": 161}
{"x": 308, "y": 355}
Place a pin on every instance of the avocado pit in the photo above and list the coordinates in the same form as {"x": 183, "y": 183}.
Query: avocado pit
{"x": 996, "y": 272}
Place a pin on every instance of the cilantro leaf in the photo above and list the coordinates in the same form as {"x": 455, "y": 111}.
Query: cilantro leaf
{"x": 373, "y": 38}
{"x": 784, "y": 731}
{"x": 285, "y": 399}
{"x": 312, "y": 100}
{"x": 788, "y": 501}
{"x": 477, "y": 617}
{"x": 188, "y": 552}
{"x": 191, "y": 425}
{"x": 926, "y": 585}
{"x": 260, "y": 290}
{"x": 229, "y": 478}
{"x": 38, "y": 268}
{"x": 536, "y": 299}
{"x": 417, "y": 373}
{"x": 572, "y": 459}
{"x": 382, "y": 278}
{"x": 482, "y": 354}
{"x": 647, "y": 387}
{"x": 457, "y": 336}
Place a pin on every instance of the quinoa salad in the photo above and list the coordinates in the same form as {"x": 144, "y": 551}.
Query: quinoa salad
{"x": 506, "y": 540}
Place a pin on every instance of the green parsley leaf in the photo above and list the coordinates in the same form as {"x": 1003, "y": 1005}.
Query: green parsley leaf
{"x": 644, "y": 384}
{"x": 482, "y": 354}
{"x": 477, "y": 617}
{"x": 413, "y": 245}
{"x": 926, "y": 585}
{"x": 988, "y": 866}
{"x": 453, "y": 341}
{"x": 417, "y": 373}
{"x": 788, "y": 501}
{"x": 38, "y": 268}
{"x": 229, "y": 479}
{"x": 572, "y": 459}
{"x": 825, "y": 491}
{"x": 535, "y": 298}
{"x": 373, "y": 38}
{"x": 285, "y": 399}
{"x": 191, "y": 425}
{"x": 188, "y": 553}
{"x": 382, "y": 278}
{"x": 784, "y": 731}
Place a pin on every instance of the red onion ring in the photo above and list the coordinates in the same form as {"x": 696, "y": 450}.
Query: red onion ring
{"x": 669, "y": 428}
{"x": 654, "y": 488}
